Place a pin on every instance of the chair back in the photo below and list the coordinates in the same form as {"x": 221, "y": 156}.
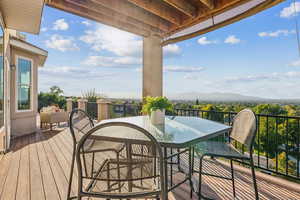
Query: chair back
{"x": 136, "y": 173}
{"x": 244, "y": 127}
{"x": 80, "y": 123}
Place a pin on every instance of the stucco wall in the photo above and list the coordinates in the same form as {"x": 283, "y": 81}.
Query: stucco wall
{"x": 23, "y": 122}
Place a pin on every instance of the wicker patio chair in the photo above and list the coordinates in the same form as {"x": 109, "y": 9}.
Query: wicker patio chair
{"x": 80, "y": 123}
{"x": 243, "y": 131}
{"x": 138, "y": 174}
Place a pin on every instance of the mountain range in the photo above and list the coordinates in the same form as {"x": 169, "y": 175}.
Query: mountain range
{"x": 216, "y": 96}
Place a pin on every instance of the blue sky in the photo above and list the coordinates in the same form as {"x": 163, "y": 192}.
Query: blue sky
{"x": 257, "y": 56}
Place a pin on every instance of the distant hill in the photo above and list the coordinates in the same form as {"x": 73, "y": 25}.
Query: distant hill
{"x": 217, "y": 96}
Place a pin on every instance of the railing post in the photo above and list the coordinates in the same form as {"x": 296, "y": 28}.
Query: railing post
{"x": 69, "y": 105}
{"x": 82, "y": 104}
{"x": 103, "y": 109}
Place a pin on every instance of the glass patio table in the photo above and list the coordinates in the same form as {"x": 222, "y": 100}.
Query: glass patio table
{"x": 179, "y": 132}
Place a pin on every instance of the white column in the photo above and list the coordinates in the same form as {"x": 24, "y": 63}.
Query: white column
{"x": 7, "y": 89}
{"x": 152, "y": 66}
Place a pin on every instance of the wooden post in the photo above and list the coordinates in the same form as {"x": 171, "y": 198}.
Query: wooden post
{"x": 69, "y": 105}
{"x": 82, "y": 104}
{"x": 152, "y": 67}
{"x": 103, "y": 109}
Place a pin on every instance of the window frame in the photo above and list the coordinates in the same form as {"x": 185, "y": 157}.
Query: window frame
{"x": 17, "y": 84}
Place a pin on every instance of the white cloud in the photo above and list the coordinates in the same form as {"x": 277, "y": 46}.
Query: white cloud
{"x": 61, "y": 43}
{"x": 60, "y": 24}
{"x": 290, "y": 10}
{"x": 171, "y": 50}
{"x": 261, "y": 77}
{"x": 295, "y": 63}
{"x": 87, "y": 23}
{"x": 102, "y": 61}
{"x": 190, "y": 76}
{"x": 232, "y": 39}
{"x": 182, "y": 69}
{"x": 205, "y": 41}
{"x": 113, "y": 40}
{"x": 43, "y": 29}
{"x": 68, "y": 72}
{"x": 277, "y": 33}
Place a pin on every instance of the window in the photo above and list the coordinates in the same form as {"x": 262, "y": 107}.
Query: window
{"x": 24, "y": 70}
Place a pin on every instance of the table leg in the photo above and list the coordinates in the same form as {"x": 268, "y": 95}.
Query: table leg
{"x": 190, "y": 170}
{"x": 129, "y": 173}
{"x": 165, "y": 195}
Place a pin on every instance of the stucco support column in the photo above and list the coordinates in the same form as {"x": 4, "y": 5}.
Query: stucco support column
{"x": 69, "y": 105}
{"x": 5, "y": 133}
{"x": 103, "y": 109}
{"x": 152, "y": 67}
{"x": 82, "y": 104}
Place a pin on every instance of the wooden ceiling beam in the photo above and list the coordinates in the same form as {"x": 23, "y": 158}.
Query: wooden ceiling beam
{"x": 183, "y": 6}
{"x": 86, "y": 13}
{"x": 128, "y": 9}
{"x": 159, "y": 9}
{"x": 208, "y": 3}
{"x": 90, "y": 5}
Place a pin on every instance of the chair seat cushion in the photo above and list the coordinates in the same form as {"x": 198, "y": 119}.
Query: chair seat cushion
{"x": 219, "y": 149}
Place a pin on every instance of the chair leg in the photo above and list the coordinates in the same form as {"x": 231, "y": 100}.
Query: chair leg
{"x": 254, "y": 178}
{"x": 71, "y": 175}
{"x": 232, "y": 177}
{"x": 200, "y": 178}
{"x": 118, "y": 171}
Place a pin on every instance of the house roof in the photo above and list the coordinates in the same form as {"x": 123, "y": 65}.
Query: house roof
{"x": 26, "y": 46}
{"x": 172, "y": 20}
{"x": 22, "y": 15}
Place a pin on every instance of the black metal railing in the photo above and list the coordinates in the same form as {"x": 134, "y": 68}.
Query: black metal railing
{"x": 277, "y": 140}
{"x": 92, "y": 109}
{"x": 125, "y": 110}
{"x": 74, "y": 104}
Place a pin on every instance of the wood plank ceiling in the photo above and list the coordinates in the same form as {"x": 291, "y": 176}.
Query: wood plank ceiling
{"x": 148, "y": 17}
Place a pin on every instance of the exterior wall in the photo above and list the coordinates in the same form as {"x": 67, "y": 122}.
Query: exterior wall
{"x": 23, "y": 122}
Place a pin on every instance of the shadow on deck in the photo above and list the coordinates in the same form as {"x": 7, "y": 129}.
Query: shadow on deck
{"x": 37, "y": 168}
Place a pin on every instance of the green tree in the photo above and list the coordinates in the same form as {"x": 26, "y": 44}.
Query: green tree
{"x": 213, "y": 113}
{"x": 283, "y": 164}
{"x": 53, "y": 97}
{"x": 56, "y": 90}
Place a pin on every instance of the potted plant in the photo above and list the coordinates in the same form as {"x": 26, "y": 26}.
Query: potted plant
{"x": 155, "y": 107}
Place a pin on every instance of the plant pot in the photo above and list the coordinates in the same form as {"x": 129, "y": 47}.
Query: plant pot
{"x": 158, "y": 117}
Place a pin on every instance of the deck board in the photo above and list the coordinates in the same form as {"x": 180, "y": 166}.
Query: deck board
{"x": 37, "y": 168}
{"x": 50, "y": 187}
{"x": 10, "y": 187}
{"x": 58, "y": 172}
{"x": 23, "y": 189}
{"x": 5, "y": 165}
{"x": 36, "y": 181}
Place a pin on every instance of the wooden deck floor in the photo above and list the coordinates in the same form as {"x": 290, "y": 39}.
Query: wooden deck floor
{"x": 37, "y": 168}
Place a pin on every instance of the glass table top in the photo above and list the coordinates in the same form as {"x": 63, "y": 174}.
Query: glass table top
{"x": 177, "y": 130}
